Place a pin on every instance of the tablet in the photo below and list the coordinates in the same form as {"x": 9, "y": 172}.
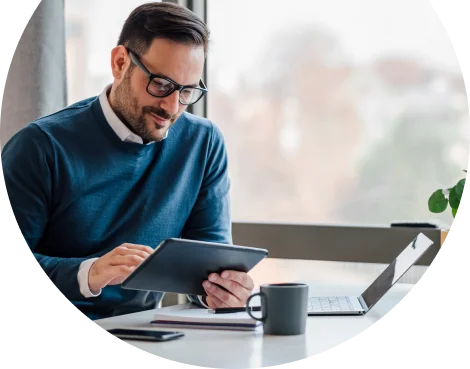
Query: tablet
{"x": 180, "y": 265}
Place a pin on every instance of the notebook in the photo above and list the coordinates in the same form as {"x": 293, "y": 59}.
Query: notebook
{"x": 193, "y": 316}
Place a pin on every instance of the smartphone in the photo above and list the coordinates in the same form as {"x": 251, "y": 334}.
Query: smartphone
{"x": 141, "y": 335}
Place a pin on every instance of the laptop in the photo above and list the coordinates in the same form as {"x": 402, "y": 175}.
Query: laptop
{"x": 360, "y": 305}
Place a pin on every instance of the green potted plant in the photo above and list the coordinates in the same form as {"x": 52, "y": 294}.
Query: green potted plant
{"x": 455, "y": 241}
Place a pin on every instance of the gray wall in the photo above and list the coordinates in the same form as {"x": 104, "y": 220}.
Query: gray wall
{"x": 36, "y": 82}
{"x": 360, "y": 244}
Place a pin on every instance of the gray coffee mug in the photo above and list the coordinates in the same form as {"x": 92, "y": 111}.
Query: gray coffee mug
{"x": 284, "y": 308}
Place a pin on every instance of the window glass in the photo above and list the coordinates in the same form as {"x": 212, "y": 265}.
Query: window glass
{"x": 336, "y": 111}
{"x": 92, "y": 30}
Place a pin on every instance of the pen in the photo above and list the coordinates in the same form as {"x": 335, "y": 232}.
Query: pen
{"x": 233, "y": 310}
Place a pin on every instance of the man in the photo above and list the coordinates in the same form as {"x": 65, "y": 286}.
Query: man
{"x": 96, "y": 186}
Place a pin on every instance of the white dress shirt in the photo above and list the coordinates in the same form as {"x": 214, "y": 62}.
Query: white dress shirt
{"x": 125, "y": 134}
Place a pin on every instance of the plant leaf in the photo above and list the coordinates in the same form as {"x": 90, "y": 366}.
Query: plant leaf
{"x": 437, "y": 203}
{"x": 462, "y": 189}
{"x": 454, "y": 199}
{"x": 454, "y": 212}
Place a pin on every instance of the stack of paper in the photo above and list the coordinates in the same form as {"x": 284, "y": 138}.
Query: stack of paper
{"x": 191, "y": 316}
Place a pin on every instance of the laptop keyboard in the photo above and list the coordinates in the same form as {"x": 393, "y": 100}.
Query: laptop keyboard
{"x": 329, "y": 304}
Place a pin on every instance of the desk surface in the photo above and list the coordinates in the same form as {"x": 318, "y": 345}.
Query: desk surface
{"x": 423, "y": 323}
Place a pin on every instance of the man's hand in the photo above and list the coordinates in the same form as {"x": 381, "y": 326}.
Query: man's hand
{"x": 116, "y": 265}
{"x": 238, "y": 287}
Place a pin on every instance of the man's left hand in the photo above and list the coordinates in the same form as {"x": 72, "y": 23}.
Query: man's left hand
{"x": 238, "y": 287}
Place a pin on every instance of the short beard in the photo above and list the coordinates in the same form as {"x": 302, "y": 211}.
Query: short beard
{"x": 127, "y": 109}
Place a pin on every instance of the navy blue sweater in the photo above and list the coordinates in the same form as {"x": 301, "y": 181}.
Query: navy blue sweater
{"x": 78, "y": 191}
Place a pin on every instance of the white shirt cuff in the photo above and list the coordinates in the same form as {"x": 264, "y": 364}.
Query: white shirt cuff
{"x": 83, "y": 278}
{"x": 202, "y": 302}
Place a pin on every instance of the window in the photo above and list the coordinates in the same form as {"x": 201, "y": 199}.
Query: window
{"x": 343, "y": 112}
{"x": 92, "y": 30}
{"x": 336, "y": 112}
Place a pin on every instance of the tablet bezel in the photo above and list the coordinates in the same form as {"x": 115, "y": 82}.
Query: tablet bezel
{"x": 263, "y": 253}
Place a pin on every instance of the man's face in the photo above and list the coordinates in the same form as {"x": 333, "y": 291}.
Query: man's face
{"x": 148, "y": 116}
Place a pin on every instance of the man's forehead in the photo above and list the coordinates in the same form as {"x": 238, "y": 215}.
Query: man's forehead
{"x": 180, "y": 62}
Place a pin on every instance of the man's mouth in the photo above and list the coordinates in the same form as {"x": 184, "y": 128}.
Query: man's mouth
{"x": 159, "y": 121}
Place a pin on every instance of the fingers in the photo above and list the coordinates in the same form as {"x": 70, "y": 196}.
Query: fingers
{"x": 240, "y": 277}
{"x": 125, "y": 247}
{"x": 236, "y": 289}
{"x": 129, "y": 260}
{"x": 119, "y": 270}
{"x": 128, "y": 257}
{"x": 116, "y": 265}
{"x": 213, "y": 302}
{"x": 234, "y": 283}
{"x": 124, "y": 252}
{"x": 226, "y": 297}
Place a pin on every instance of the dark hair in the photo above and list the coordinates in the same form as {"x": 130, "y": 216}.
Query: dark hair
{"x": 162, "y": 20}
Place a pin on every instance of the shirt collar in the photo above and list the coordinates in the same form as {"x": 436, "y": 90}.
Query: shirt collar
{"x": 121, "y": 130}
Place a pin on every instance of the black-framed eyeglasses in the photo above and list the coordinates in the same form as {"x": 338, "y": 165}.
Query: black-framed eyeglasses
{"x": 160, "y": 86}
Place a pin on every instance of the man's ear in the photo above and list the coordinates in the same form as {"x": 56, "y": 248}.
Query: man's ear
{"x": 120, "y": 62}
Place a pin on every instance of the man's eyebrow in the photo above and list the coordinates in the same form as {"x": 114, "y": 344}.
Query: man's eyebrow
{"x": 164, "y": 76}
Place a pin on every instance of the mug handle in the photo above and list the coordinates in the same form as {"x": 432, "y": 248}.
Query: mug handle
{"x": 262, "y": 296}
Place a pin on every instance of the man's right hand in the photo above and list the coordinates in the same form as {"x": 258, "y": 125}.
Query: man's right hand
{"x": 116, "y": 265}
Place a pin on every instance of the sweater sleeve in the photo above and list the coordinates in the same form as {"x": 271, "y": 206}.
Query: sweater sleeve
{"x": 198, "y": 300}
{"x": 28, "y": 166}
{"x": 210, "y": 217}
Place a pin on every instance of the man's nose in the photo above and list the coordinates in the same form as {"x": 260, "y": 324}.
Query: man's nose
{"x": 171, "y": 102}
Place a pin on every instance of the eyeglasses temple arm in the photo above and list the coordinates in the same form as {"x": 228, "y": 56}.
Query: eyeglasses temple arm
{"x": 201, "y": 84}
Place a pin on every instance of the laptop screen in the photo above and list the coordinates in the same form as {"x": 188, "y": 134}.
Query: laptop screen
{"x": 409, "y": 256}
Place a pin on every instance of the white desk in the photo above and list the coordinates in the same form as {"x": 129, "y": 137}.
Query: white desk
{"x": 411, "y": 327}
